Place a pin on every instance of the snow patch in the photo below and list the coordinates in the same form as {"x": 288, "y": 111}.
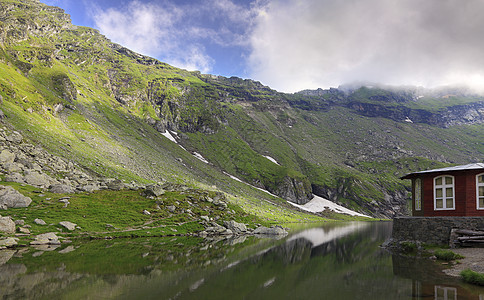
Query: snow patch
{"x": 319, "y": 204}
{"x": 200, "y": 157}
{"x": 319, "y": 236}
{"x": 408, "y": 120}
{"x": 233, "y": 177}
{"x": 271, "y": 159}
{"x": 169, "y": 136}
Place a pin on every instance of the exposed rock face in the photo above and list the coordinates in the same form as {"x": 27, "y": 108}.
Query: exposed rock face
{"x": 295, "y": 190}
{"x": 7, "y": 225}
{"x": 10, "y": 198}
{"x": 25, "y": 163}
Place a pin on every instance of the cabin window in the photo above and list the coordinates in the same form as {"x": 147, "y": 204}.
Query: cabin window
{"x": 480, "y": 191}
{"x": 444, "y": 193}
{"x": 418, "y": 194}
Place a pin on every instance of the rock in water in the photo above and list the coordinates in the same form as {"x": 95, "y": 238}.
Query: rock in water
{"x": 276, "y": 230}
{"x": 49, "y": 238}
{"x": 69, "y": 225}
{"x": 10, "y": 198}
{"x": 6, "y": 255}
{"x": 7, "y": 225}
{"x": 8, "y": 242}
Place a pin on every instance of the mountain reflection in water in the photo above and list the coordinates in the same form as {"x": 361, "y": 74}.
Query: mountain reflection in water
{"x": 337, "y": 261}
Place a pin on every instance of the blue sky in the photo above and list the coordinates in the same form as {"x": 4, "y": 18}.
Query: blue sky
{"x": 292, "y": 45}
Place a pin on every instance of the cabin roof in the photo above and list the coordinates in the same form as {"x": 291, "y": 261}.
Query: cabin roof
{"x": 475, "y": 166}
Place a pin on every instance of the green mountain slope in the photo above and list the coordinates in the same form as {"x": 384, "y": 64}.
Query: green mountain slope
{"x": 109, "y": 109}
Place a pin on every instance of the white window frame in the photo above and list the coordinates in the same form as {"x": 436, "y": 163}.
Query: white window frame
{"x": 444, "y": 186}
{"x": 477, "y": 190}
{"x": 419, "y": 193}
{"x": 446, "y": 291}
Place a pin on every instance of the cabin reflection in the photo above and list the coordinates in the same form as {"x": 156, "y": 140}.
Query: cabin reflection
{"x": 429, "y": 282}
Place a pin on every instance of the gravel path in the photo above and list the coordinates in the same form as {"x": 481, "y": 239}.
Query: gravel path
{"x": 473, "y": 259}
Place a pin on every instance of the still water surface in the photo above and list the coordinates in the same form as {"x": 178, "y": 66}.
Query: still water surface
{"x": 338, "y": 261}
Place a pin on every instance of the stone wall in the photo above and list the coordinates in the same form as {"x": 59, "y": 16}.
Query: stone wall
{"x": 432, "y": 230}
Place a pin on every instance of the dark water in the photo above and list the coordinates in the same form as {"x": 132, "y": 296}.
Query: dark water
{"x": 341, "y": 261}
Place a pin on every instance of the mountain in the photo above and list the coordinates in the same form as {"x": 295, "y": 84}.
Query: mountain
{"x": 115, "y": 113}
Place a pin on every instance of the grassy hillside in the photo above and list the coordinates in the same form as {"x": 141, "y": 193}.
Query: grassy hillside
{"x": 81, "y": 97}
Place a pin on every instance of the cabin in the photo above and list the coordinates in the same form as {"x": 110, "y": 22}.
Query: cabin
{"x": 454, "y": 191}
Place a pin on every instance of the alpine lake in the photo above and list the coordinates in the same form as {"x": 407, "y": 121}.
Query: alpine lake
{"x": 333, "y": 261}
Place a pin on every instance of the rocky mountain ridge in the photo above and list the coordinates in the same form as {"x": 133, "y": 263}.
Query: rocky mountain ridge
{"x": 407, "y": 104}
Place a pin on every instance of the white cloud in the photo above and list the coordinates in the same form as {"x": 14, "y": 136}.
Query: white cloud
{"x": 142, "y": 27}
{"x": 177, "y": 34}
{"x": 322, "y": 43}
{"x": 195, "y": 59}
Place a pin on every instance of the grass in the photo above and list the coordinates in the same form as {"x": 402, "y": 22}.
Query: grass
{"x": 447, "y": 255}
{"x": 124, "y": 211}
{"x": 472, "y": 277}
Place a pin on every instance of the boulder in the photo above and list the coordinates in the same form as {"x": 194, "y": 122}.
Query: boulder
{"x": 235, "y": 227}
{"x": 89, "y": 188}
{"x": 13, "y": 167}
{"x": 40, "y": 222}
{"x": 61, "y": 189}
{"x": 38, "y": 179}
{"x": 49, "y": 238}
{"x": 115, "y": 185}
{"x": 7, "y": 157}
{"x": 6, "y": 255}
{"x": 15, "y": 177}
{"x": 15, "y": 137}
{"x": 23, "y": 230}
{"x": 154, "y": 190}
{"x": 8, "y": 242}
{"x": 68, "y": 225}
{"x": 7, "y": 225}
{"x": 11, "y": 198}
{"x": 275, "y": 230}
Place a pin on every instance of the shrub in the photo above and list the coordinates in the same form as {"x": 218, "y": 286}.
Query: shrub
{"x": 472, "y": 277}
{"x": 447, "y": 255}
{"x": 408, "y": 247}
